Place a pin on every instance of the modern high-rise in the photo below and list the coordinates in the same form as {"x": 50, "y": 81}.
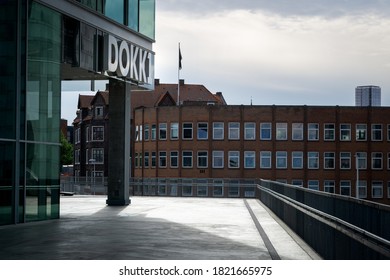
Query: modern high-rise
{"x": 368, "y": 96}
{"x": 42, "y": 43}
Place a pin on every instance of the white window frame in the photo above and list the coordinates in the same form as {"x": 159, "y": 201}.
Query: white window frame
{"x": 187, "y": 127}
{"x": 376, "y": 128}
{"x": 281, "y": 131}
{"x": 249, "y": 155}
{"x": 377, "y": 185}
{"x": 205, "y": 128}
{"x": 361, "y": 132}
{"x": 174, "y": 155}
{"x": 234, "y": 156}
{"x": 202, "y": 155}
{"x": 329, "y": 185}
{"x": 250, "y": 131}
{"x": 218, "y": 159}
{"x": 345, "y": 132}
{"x": 281, "y": 157}
{"x": 313, "y": 156}
{"x": 162, "y": 155}
{"x": 362, "y": 160}
{"x": 345, "y": 184}
{"x": 220, "y": 128}
{"x": 345, "y": 156}
{"x": 297, "y": 155}
{"x": 265, "y": 156}
{"x": 329, "y": 157}
{"x": 93, "y": 133}
{"x": 313, "y": 132}
{"x": 93, "y": 156}
{"x": 234, "y": 131}
{"x": 327, "y": 129}
{"x": 146, "y": 132}
{"x": 297, "y": 131}
{"x": 313, "y": 185}
{"x": 187, "y": 155}
{"x": 265, "y": 127}
{"x": 362, "y": 189}
{"x": 376, "y": 156}
{"x": 162, "y": 127}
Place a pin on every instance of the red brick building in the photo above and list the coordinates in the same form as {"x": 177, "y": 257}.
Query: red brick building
{"x": 204, "y": 140}
{"x": 310, "y": 146}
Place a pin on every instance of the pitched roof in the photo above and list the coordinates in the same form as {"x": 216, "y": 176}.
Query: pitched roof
{"x": 84, "y": 101}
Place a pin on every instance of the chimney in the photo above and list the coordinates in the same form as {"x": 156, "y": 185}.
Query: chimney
{"x": 107, "y": 87}
{"x": 219, "y": 93}
{"x": 181, "y": 82}
{"x": 156, "y": 82}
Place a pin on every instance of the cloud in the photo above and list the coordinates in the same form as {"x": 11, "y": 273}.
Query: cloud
{"x": 328, "y": 8}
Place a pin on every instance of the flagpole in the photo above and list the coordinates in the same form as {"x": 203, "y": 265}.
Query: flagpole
{"x": 178, "y": 78}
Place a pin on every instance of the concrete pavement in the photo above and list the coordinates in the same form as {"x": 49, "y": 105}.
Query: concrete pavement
{"x": 155, "y": 228}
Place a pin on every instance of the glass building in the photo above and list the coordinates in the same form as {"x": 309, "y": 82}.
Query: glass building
{"x": 42, "y": 43}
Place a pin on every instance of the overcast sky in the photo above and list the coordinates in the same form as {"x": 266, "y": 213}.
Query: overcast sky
{"x": 312, "y": 52}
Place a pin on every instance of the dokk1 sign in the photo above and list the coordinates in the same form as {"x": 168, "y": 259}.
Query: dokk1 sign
{"x": 127, "y": 61}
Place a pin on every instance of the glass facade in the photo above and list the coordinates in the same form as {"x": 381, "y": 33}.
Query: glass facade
{"x": 36, "y": 42}
{"x": 139, "y": 15}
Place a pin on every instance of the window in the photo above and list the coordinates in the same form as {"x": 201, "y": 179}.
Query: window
{"x": 313, "y": 160}
{"x": 202, "y": 131}
{"x": 202, "y": 159}
{"x": 234, "y": 159}
{"x": 298, "y": 183}
{"x": 345, "y": 160}
{"x": 376, "y": 132}
{"x": 297, "y": 131}
{"x": 174, "y": 131}
{"x": 329, "y": 132}
{"x": 153, "y": 136}
{"x": 146, "y": 132}
{"x": 388, "y": 132}
{"x": 234, "y": 131}
{"x": 377, "y": 189}
{"x": 361, "y": 132}
{"x": 136, "y": 162}
{"x": 249, "y": 159}
{"x": 153, "y": 159}
{"x": 329, "y": 160}
{"x": 388, "y": 161}
{"x": 98, "y": 155}
{"x": 218, "y": 131}
{"x": 77, "y": 136}
{"x": 313, "y": 185}
{"x": 345, "y": 132}
{"x": 98, "y": 133}
{"x": 218, "y": 157}
{"x": 201, "y": 187}
{"x": 187, "y": 159}
{"x": 265, "y": 131}
{"x": 362, "y": 186}
{"x": 217, "y": 187}
{"x": 99, "y": 112}
{"x": 174, "y": 159}
{"x": 313, "y": 132}
{"x": 362, "y": 160}
{"x": 329, "y": 186}
{"x": 281, "y": 131}
{"x": 281, "y": 160}
{"x": 162, "y": 131}
{"x": 146, "y": 159}
{"x": 376, "y": 160}
{"x": 297, "y": 160}
{"x": 162, "y": 159}
{"x": 250, "y": 131}
{"x": 140, "y": 133}
{"x": 265, "y": 159}
{"x": 87, "y": 134}
{"x": 77, "y": 156}
{"x": 187, "y": 131}
{"x": 345, "y": 188}
{"x": 388, "y": 189}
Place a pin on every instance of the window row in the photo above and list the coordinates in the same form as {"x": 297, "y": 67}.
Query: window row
{"x": 92, "y": 156}
{"x": 152, "y": 132}
{"x": 94, "y": 133}
{"x": 281, "y": 160}
{"x": 377, "y": 188}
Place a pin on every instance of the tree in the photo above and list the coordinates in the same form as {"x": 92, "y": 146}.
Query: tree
{"x": 66, "y": 151}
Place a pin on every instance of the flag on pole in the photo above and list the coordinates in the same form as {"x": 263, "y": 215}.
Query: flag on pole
{"x": 180, "y": 58}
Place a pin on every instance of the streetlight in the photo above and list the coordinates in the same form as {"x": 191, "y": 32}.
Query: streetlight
{"x": 357, "y": 174}
{"x": 92, "y": 161}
